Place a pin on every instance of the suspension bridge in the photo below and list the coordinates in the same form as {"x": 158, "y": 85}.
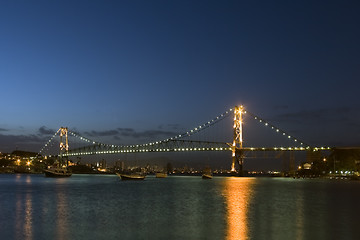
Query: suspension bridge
{"x": 183, "y": 143}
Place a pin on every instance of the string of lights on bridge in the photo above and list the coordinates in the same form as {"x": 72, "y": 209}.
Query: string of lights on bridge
{"x": 278, "y": 130}
{"x": 191, "y": 149}
{"x": 48, "y": 142}
{"x": 148, "y": 150}
{"x": 195, "y": 129}
{"x": 185, "y": 134}
{"x": 139, "y": 148}
{"x": 304, "y": 146}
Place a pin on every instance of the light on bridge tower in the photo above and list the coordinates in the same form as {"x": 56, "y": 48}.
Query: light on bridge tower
{"x": 237, "y": 154}
{"x": 64, "y": 146}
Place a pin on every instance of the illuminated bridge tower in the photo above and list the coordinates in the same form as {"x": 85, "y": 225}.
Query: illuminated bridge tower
{"x": 237, "y": 153}
{"x": 64, "y": 146}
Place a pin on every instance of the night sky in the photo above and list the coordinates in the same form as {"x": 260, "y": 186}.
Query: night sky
{"x": 124, "y": 72}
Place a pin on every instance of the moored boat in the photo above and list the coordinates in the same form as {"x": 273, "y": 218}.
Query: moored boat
{"x": 131, "y": 176}
{"x": 57, "y": 172}
{"x": 161, "y": 175}
{"x": 207, "y": 176}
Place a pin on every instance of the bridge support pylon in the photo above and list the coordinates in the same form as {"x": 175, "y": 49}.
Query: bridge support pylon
{"x": 64, "y": 145}
{"x": 237, "y": 146}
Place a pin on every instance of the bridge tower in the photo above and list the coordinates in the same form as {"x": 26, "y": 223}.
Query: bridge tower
{"x": 64, "y": 145}
{"x": 237, "y": 146}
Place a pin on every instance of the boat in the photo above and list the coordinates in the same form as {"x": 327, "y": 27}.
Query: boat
{"x": 161, "y": 175}
{"x": 133, "y": 176}
{"x": 57, "y": 172}
{"x": 207, "y": 176}
{"x": 207, "y": 173}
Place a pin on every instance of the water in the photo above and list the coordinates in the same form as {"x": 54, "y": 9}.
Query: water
{"x": 104, "y": 207}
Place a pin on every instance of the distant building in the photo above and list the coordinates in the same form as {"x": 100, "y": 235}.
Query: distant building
{"x": 307, "y": 165}
{"x": 102, "y": 164}
{"x": 120, "y": 165}
{"x": 313, "y": 156}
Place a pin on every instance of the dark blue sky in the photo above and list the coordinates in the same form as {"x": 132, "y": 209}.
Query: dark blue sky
{"x": 159, "y": 67}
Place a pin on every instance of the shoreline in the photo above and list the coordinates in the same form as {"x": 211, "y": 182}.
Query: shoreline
{"x": 327, "y": 177}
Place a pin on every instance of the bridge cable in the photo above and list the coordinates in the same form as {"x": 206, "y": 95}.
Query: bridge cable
{"x": 278, "y": 130}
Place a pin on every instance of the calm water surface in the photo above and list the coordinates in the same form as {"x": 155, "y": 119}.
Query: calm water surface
{"x": 104, "y": 207}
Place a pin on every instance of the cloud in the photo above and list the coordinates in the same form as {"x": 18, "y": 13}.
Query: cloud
{"x": 102, "y": 133}
{"x": 3, "y": 130}
{"x": 126, "y": 132}
{"x": 129, "y": 132}
{"x": 23, "y": 142}
{"x": 117, "y": 138}
{"x": 173, "y": 126}
{"x": 323, "y": 126}
{"x": 121, "y": 133}
{"x": 20, "y": 138}
{"x": 156, "y": 133}
{"x": 46, "y": 131}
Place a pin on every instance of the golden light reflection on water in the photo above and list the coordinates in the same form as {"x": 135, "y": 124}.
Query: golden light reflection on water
{"x": 237, "y": 192}
{"x": 28, "y": 217}
{"x": 299, "y": 203}
{"x": 24, "y": 214}
{"x": 62, "y": 213}
{"x": 18, "y": 218}
{"x": 60, "y": 205}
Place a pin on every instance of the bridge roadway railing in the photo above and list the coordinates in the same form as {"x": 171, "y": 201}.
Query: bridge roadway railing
{"x": 173, "y": 146}
{"x": 163, "y": 146}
